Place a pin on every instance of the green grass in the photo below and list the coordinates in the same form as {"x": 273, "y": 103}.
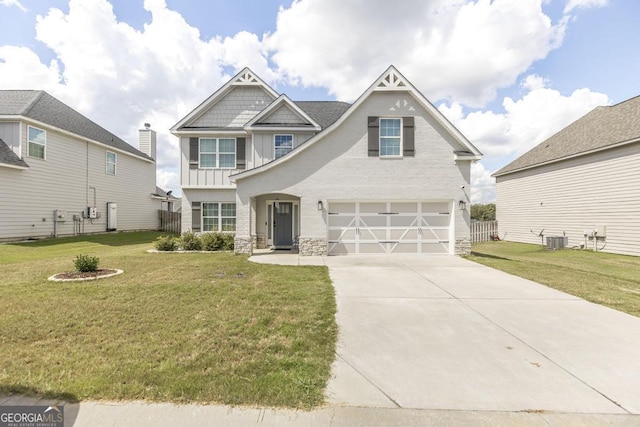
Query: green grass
{"x": 174, "y": 327}
{"x": 603, "y": 278}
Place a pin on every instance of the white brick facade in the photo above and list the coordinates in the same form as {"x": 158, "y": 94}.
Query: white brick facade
{"x": 329, "y": 166}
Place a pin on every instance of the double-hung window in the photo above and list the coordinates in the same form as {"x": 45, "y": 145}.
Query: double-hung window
{"x": 111, "y": 163}
{"x": 218, "y": 216}
{"x": 217, "y": 153}
{"x": 37, "y": 142}
{"x": 390, "y": 137}
{"x": 283, "y": 144}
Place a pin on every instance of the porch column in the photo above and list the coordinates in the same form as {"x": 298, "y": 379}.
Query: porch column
{"x": 245, "y": 206}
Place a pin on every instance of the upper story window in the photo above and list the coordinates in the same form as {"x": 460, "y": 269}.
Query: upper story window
{"x": 217, "y": 153}
{"x": 111, "y": 163}
{"x": 37, "y": 142}
{"x": 390, "y": 137}
{"x": 283, "y": 144}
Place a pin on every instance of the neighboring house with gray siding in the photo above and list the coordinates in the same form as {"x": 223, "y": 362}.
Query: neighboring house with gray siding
{"x": 387, "y": 174}
{"x": 63, "y": 174}
{"x": 583, "y": 182}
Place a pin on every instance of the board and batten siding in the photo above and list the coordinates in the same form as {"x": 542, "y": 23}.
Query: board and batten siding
{"x": 573, "y": 196}
{"x": 338, "y": 167}
{"x": 62, "y": 181}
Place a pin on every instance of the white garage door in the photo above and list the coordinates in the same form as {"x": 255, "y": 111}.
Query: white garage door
{"x": 389, "y": 227}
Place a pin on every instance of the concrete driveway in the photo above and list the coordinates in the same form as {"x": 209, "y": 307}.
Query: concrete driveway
{"x": 431, "y": 332}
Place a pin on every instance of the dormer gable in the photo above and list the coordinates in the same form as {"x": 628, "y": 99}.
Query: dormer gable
{"x": 282, "y": 114}
{"x": 232, "y": 106}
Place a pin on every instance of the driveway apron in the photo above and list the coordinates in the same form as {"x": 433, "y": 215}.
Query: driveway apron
{"x": 441, "y": 332}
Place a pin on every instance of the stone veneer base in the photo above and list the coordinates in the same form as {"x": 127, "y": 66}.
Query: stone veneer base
{"x": 243, "y": 245}
{"x": 310, "y": 246}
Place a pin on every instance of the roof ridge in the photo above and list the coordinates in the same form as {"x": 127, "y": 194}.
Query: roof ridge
{"x": 624, "y": 102}
{"x": 33, "y": 102}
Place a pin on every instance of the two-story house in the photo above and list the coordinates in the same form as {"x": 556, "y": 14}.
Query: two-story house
{"x": 386, "y": 174}
{"x": 63, "y": 174}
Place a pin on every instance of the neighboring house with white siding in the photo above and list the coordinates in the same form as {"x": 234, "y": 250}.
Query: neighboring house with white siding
{"x": 63, "y": 174}
{"x": 583, "y": 183}
{"x": 387, "y": 174}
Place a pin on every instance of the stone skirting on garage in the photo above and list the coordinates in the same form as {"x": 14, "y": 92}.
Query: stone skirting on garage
{"x": 309, "y": 246}
{"x": 463, "y": 246}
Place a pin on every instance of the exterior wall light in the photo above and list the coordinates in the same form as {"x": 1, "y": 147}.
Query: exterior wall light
{"x": 320, "y": 206}
{"x": 462, "y": 205}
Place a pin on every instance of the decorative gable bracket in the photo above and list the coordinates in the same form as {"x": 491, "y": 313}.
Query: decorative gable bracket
{"x": 392, "y": 80}
{"x": 247, "y": 78}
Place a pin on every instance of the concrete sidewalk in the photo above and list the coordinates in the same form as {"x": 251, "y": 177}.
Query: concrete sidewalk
{"x": 142, "y": 414}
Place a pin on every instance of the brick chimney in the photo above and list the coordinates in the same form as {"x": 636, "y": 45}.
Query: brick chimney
{"x": 147, "y": 141}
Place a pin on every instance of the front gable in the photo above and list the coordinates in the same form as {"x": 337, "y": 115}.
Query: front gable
{"x": 282, "y": 114}
{"x": 232, "y": 106}
{"x": 396, "y": 98}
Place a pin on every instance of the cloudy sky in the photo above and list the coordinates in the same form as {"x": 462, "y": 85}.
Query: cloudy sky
{"x": 507, "y": 73}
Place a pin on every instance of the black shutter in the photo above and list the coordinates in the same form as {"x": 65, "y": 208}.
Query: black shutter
{"x": 408, "y": 137}
{"x": 374, "y": 136}
{"x": 241, "y": 153}
{"x": 196, "y": 214}
{"x": 193, "y": 153}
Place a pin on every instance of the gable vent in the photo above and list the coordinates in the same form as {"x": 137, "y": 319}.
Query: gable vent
{"x": 392, "y": 80}
{"x": 247, "y": 79}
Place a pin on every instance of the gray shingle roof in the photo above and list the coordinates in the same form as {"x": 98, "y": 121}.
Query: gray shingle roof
{"x": 325, "y": 113}
{"x": 39, "y": 105}
{"x": 8, "y": 157}
{"x": 598, "y": 129}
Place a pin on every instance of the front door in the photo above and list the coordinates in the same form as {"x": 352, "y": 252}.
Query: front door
{"x": 283, "y": 224}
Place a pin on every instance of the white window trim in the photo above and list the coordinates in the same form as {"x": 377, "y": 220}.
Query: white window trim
{"x": 44, "y": 145}
{"x": 274, "y": 144}
{"x": 217, "y": 153}
{"x": 219, "y": 217}
{"x": 107, "y": 163}
{"x": 390, "y": 156}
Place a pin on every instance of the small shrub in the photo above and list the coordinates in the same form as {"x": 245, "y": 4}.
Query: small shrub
{"x": 85, "y": 263}
{"x": 166, "y": 243}
{"x": 212, "y": 241}
{"x": 190, "y": 241}
{"x": 228, "y": 241}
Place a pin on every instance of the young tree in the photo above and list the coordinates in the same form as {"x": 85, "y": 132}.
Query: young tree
{"x": 482, "y": 212}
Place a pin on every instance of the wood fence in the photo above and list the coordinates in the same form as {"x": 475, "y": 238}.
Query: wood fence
{"x": 482, "y": 231}
{"x": 170, "y": 221}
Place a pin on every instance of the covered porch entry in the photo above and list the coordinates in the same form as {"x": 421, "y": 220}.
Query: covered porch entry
{"x": 277, "y": 220}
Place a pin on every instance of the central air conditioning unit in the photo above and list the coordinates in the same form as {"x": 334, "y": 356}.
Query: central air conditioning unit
{"x": 557, "y": 242}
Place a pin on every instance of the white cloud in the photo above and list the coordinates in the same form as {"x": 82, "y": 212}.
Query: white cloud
{"x": 15, "y": 3}
{"x": 21, "y": 68}
{"x": 573, "y": 4}
{"x": 121, "y": 77}
{"x": 458, "y": 50}
{"x": 524, "y": 123}
{"x": 483, "y": 186}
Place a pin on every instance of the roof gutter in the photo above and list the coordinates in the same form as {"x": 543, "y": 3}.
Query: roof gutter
{"x": 572, "y": 156}
{"x": 75, "y": 135}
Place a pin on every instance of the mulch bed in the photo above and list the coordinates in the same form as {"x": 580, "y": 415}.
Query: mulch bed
{"x": 85, "y": 274}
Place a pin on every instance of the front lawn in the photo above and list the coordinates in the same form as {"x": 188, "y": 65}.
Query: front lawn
{"x": 607, "y": 279}
{"x": 174, "y": 327}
